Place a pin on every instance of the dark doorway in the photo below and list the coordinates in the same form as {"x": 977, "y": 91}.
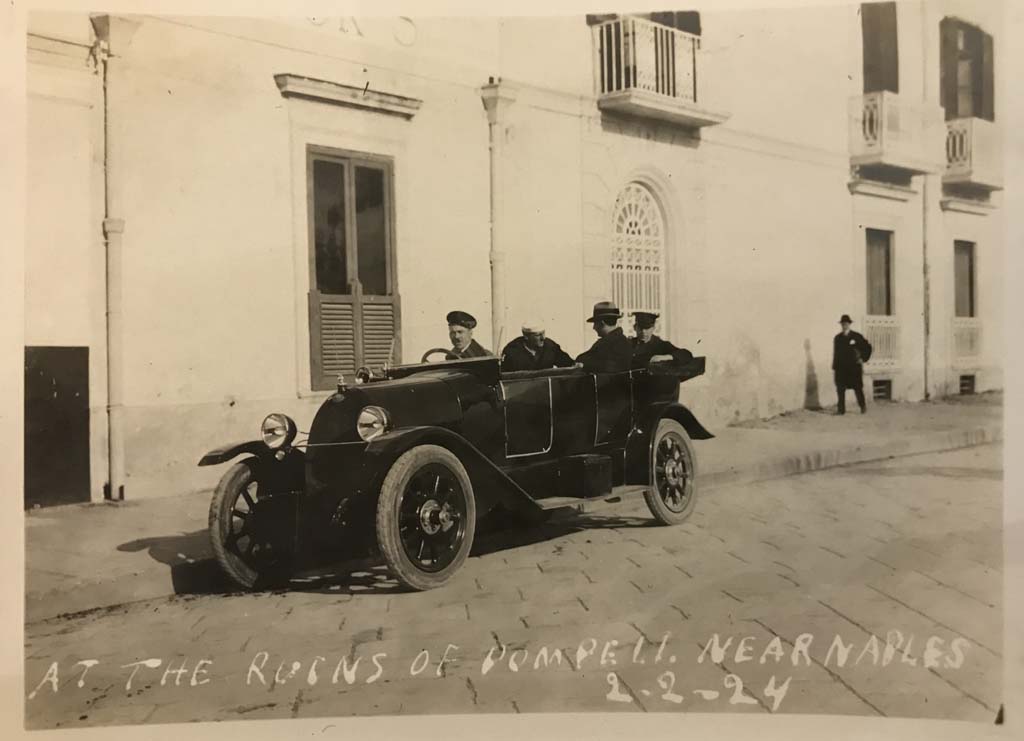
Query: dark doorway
{"x": 56, "y": 425}
{"x": 881, "y": 50}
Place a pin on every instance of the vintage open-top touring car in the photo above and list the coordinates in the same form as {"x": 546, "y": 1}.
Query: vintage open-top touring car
{"x": 410, "y": 460}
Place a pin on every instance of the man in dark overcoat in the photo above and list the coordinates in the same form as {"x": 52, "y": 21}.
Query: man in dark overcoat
{"x": 850, "y": 350}
{"x": 648, "y": 346}
{"x": 460, "y": 332}
{"x": 533, "y": 351}
{"x": 612, "y": 352}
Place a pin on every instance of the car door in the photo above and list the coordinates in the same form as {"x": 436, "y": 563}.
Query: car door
{"x": 613, "y": 408}
{"x": 529, "y": 419}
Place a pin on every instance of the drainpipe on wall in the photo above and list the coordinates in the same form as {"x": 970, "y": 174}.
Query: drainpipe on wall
{"x": 927, "y": 282}
{"x": 926, "y": 278}
{"x": 113, "y": 35}
{"x": 497, "y": 97}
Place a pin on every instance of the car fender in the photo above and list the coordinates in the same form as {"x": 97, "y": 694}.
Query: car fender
{"x": 226, "y": 452}
{"x": 278, "y": 472}
{"x": 638, "y": 445}
{"x": 491, "y": 486}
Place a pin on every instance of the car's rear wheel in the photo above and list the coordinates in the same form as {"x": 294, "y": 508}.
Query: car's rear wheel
{"x": 673, "y": 492}
{"x": 244, "y": 555}
{"x": 426, "y": 517}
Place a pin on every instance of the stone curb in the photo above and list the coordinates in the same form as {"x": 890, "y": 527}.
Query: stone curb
{"x": 107, "y": 594}
{"x": 834, "y": 457}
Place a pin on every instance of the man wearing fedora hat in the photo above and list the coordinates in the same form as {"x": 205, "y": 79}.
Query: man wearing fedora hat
{"x": 533, "y": 351}
{"x": 612, "y": 352}
{"x": 850, "y": 350}
{"x": 647, "y": 346}
{"x": 460, "y": 332}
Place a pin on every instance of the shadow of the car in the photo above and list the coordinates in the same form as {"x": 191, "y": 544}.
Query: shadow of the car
{"x": 360, "y": 577}
{"x": 558, "y": 526}
{"x": 371, "y": 576}
{"x": 190, "y": 559}
{"x": 195, "y": 573}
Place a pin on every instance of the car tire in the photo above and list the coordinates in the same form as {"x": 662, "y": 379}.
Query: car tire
{"x": 426, "y": 499}
{"x": 222, "y": 523}
{"x": 673, "y": 491}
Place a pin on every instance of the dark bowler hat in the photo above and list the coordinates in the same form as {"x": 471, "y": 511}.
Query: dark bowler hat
{"x": 461, "y": 319}
{"x": 645, "y": 319}
{"x": 605, "y": 310}
{"x": 845, "y": 319}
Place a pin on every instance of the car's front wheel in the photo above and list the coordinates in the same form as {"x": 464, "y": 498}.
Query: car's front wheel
{"x": 241, "y": 547}
{"x": 673, "y": 492}
{"x": 426, "y": 517}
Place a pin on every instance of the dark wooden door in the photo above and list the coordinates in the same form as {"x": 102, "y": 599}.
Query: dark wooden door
{"x": 56, "y": 425}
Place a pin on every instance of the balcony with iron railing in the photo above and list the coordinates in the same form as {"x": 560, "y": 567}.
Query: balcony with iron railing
{"x": 883, "y": 332}
{"x": 973, "y": 155}
{"x": 643, "y": 68}
{"x": 893, "y": 138}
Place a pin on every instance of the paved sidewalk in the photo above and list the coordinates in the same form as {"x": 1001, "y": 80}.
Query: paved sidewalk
{"x": 82, "y": 557}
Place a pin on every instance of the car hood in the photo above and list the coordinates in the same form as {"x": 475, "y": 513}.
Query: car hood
{"x": 427, "y": 398}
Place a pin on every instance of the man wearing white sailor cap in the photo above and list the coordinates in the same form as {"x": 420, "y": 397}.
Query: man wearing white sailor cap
{"x": 533, "y": 350}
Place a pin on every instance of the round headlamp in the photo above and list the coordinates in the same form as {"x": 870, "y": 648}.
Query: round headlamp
{"x": 278, "y": 430}
{"x": 372, "y": 422}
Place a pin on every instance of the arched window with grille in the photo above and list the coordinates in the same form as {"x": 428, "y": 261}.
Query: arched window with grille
{"x": 638, "y": 252}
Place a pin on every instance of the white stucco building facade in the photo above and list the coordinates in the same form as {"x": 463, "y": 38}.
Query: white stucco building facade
{"x": 743, "y": 173}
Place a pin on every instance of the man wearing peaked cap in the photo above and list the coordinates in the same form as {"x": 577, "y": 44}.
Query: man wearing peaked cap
{"x": 533, "y": 351}
{"x": 850, "y": 350}
{"x": 460, "y": 332}
{"x": 612, "y": 353}
{"x": 648, "y": 346}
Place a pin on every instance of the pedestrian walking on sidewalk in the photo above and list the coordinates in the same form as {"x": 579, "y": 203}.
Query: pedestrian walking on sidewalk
{"x": 849, "y": 353}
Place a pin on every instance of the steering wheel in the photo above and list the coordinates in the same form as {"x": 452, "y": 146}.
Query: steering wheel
{"x": 435, "y": 350}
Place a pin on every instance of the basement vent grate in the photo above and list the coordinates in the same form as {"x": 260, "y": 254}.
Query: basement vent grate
{"x": 881, "y": 389}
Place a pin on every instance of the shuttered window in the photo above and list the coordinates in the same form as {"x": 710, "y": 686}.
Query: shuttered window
{"x": 879, "y": 269}
{"x": 353, "y": 299}
{"x": 963, "y": 276}
{"x": 881, "y": 51}
{"x": 967, "y": 84}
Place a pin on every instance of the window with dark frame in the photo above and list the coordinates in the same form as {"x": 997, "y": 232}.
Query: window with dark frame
{"x": 966, "y": 62}
{"x": 353, "y": 299}
{"x": 881, "y": 50}
{"x": 964, "y": 279}
{"x": 879, "y": 272}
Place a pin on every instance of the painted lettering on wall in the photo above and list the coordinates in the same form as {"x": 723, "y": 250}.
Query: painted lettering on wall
{"x": 401, "y": 30}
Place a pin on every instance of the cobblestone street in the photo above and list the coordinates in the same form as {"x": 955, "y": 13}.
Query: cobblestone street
{"x": 781, "y": 596}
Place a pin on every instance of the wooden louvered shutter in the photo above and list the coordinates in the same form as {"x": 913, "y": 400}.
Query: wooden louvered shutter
{"x": 380, "y": 324}
{"x": 354, "y": 306}
{"x": 333, "y": 319}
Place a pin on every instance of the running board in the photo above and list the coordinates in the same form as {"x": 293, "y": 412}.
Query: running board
{"x": 585, "y": 505}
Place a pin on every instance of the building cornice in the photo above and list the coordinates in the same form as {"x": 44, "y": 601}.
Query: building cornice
{"x": 860, "y": 186}
{"x": 967, "y": 206}
{"x": 350, "y": 96}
